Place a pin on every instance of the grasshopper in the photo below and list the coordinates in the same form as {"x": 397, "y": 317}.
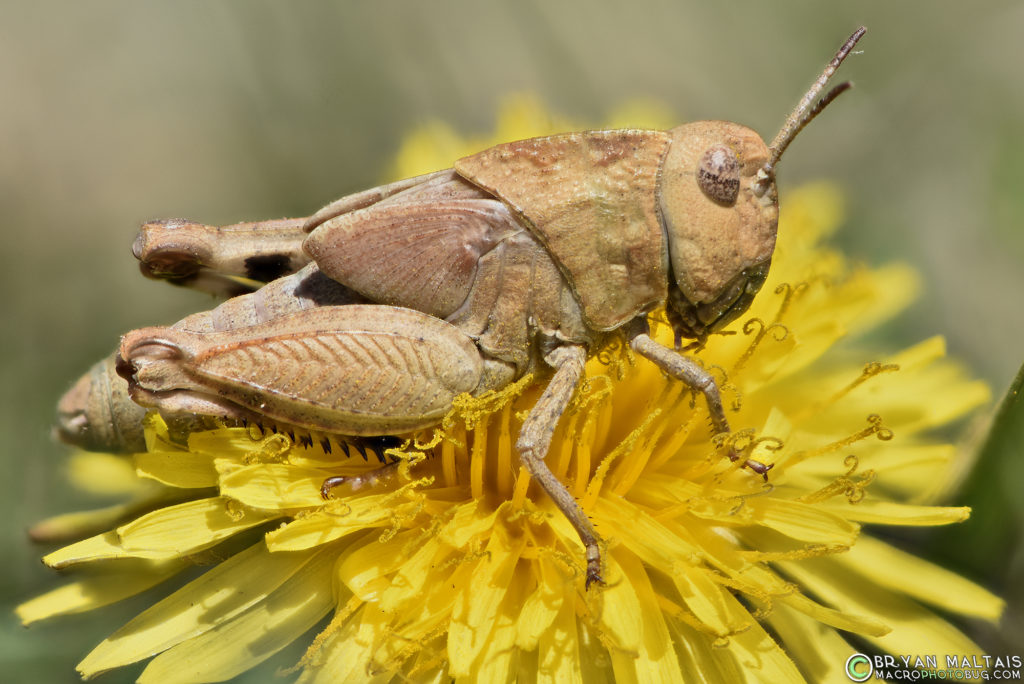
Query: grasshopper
{"x": 527, "y": 257}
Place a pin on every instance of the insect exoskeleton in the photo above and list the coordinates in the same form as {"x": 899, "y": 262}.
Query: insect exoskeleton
{"x": 521, "y": 258}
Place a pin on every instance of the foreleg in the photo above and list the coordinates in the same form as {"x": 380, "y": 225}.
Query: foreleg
{"x": 695, "y": 377}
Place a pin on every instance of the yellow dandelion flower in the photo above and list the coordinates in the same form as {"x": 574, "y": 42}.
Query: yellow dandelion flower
{"x": 454, "y": 566}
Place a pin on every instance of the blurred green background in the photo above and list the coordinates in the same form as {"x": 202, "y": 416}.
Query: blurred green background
{"x": 118, "y": 111}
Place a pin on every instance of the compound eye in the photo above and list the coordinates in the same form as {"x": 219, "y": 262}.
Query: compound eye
{"x": 718, "y": 174}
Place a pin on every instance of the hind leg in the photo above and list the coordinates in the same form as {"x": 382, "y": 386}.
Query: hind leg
{"x": 352, "y": 370}
{"x": 221, "y": 260}
{"x": 231, "y": 260}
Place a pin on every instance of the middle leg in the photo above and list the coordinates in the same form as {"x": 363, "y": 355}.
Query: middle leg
{"x": 535, "y": 438}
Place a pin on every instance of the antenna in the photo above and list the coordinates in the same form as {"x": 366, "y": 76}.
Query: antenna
{"x": 804, "y": 112}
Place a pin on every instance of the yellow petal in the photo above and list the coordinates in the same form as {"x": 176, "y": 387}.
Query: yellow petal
{"x": 274, "y": 486}
{"x": 820, "y": 651}
{"x": 114, "y": 583}
{"x": 889, "y": 290}
{"x": 762, "y": 659}
{"x": 188, "y": 527}
{"x": 655, "y": 659}
{"x": 806, "y": 522}
{"x": 859, "y": 624}
{"x": 370, "y": 560}
{"x": 70, "y": 526}
{"x": 541, "y": 607}
{"x": 237, "y": 444}
{"x": 219, "y": 595}
{"x": 476, "y": 607}
{"x": 496, "y": 658}
{"x": 469, "y": 520}
{"x": 890, "y": 513}
{"x": 703, "y": 660}
{"x": 915, "y": 629}
{"x": 101, "y": 547}
{"x": 664, "y": 549}
{"x": 423, "y": 568}
{"x": 889, "y": 567}
{"x": 706, "y": 600}
{"x": 235, "y": 645}
{"x": 427, "y": 572}
{"x": 427, "y": 615}
{"x": 904, "y": 468}
{"x": 814, "y": 212}
{"x": 104, "y": 474}
{"x": 558, "y": 657}
{"x": 347, "y": 655}
{"x": 621, "y": 615}
{"x": 339, "y": 517}
{"x": 184, "y": 469}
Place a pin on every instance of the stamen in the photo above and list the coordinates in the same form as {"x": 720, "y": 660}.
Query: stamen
{"x": 626, "y": 477}
{"x": 845, "y": 484}
{"x": 611, "y": 352}
{"x": 688, "y": 618}
{"x": 503, "y": 463}
{"x": 789, "y": 295}
{"x": 779, "y": 334}
{"x": 478, "y": 459}
{"x": 870, "y": 370}
{"x": 460, "y": 441}
{"x": 565, "y": 447}
{"x": 341, "y": 616}
{"x": 401, "y": 516}
{"x": 802, "y": 553}
{"x": 412, "y": 647}
{"x": 518, "y": 498}
{"x": 448, "y": 470}
{"x": 584, "y": 454}
{"x": 683, "y": 419}
{"x": 637, "y": 460}
{"x": 876, "y": 427}
{"x": 738, "y": 584}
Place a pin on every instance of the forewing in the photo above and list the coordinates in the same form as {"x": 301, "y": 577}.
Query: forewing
{"x": 421, "y": 253}
{"x": 365, "y": 198}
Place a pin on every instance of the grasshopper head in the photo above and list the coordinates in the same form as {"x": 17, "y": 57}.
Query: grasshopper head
{"x": 721, "y": 232}
{"x": 720, "y": 210}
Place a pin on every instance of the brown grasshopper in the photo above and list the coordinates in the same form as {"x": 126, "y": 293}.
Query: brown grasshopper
{"x": 524, "y": 258}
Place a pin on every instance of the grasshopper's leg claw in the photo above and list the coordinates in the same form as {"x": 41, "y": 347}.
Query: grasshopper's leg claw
{"x": 758, "y": 467}
{"x": 594, "y": 567}
{"x": 755, "y": 466}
